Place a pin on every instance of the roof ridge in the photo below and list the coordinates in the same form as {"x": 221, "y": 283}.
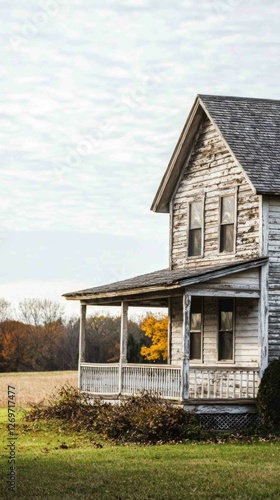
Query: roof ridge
{"x": 238, "y": 98}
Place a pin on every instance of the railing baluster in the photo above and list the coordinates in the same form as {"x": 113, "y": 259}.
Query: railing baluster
{"x": 208, "y": 386}
{"x": 215, "y": 384}
{"x": 247, "y": 385}
{"x": 195, "y": 384}
{"x": 241, "y": 383}
{"x": 202, "y": 384}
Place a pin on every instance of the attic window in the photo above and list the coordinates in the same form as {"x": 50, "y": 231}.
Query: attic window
{"x": 195, "y": 229}
{"x": 227, "y": 224}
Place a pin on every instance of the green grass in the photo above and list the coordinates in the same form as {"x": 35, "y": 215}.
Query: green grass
{"x": 47, "y": 469}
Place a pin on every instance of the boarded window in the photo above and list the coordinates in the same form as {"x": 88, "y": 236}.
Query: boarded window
{"x": 227, "y": 227}
{"x": 195, "y": 229}
{"x": 196, "y": 328}
{"x": 225, "y": 342}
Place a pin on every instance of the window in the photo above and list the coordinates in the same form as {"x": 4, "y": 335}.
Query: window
{"x": 196, "y": 328}
{"x": 195, "y": 229}
{"x": 227, "y": 224}
{"x": 225, "y": 340}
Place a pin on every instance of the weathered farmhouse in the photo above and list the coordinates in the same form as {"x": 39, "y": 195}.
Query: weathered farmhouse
{"x": 222, "y": 288}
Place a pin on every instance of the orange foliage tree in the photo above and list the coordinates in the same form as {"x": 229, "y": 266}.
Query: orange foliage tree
{"x": 156, "y": 328}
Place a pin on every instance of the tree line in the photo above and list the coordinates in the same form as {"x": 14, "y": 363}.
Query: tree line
{"x": 38, "y": 337}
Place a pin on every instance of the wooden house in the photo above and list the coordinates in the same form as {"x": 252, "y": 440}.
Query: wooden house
{"x": 222, "y": 287}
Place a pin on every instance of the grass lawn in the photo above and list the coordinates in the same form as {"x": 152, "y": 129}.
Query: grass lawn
{"x": 53, "y": 463}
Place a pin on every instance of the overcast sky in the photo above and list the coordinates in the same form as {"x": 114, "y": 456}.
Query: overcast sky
{"x": 93, "y": 98}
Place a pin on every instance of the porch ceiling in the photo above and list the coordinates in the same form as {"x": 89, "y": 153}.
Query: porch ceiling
{"x": 154, "y": 289}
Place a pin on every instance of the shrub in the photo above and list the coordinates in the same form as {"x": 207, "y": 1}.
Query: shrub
{"x": 144, "y": 418}
{"x": 268, "y": 399}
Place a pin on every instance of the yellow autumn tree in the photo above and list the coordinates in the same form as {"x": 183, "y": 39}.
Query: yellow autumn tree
{"x": 157, "y": 330}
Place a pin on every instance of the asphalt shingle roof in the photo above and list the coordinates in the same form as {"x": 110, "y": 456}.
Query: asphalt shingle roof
{"x": 251, "y": 128}
{"x": 164, "y": 277}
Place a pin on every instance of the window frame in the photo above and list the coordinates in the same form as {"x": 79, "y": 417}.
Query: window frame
{"x": 225, "y": 360}
{"x": 197, "y": 360}
{"x": 232, "y": 194}
{"x": 200, "y": 199}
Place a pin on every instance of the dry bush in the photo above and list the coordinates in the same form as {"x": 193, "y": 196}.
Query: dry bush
{"x": 32, "y": 387}
{"x": 144, "y": 418}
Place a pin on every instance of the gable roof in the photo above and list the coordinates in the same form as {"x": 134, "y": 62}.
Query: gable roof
{"x": 250, "y": 128}
{"x": 159, "y": 281}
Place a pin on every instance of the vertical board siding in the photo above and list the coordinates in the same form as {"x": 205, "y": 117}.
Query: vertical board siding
{"x": 274, "y": 279}
{"x": 212, "y": 170}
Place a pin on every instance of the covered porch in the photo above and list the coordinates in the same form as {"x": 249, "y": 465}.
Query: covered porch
{"x": 183, "y": 380}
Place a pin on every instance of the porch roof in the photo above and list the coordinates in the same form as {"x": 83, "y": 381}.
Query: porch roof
{"x": 154, "y": 288}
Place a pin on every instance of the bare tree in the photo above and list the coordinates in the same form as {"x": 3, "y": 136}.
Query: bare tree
{"x": 5, "y": 310}
{"x": 40, "y": 311}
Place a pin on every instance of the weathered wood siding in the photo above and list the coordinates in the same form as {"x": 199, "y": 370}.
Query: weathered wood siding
{"x": 212, "y": 171}
{"x": 274, "y": 278}
{"x": 243, "y": 279}
{"x": 246, "y": 350}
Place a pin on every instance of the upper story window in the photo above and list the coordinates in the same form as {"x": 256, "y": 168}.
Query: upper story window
{"x": 227, "y": 224}
{"x": 226, "y": 330}
{"x": 195, "y": 228}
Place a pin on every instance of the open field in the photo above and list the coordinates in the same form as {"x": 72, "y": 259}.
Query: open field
{"x": 53, "y": 463}
{"x": 32, "y": 387}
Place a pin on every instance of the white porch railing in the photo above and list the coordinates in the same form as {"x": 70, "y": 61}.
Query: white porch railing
{"x": 100, "y": 378}
{"x": 212, "y": 383}
{"x": 163, "y": 379}
{"x": 223, "y": 383}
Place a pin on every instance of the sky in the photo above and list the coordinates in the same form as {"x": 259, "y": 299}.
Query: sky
{"x": 94, "y": 96}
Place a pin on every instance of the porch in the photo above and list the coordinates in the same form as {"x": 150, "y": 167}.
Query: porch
{"x": 204, "y": 383}
{"x": 216, "y": 352}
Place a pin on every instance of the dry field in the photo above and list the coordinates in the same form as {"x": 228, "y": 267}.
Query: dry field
{"x": 32, "y": 387}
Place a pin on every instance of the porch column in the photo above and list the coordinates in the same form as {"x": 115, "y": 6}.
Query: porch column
{"x": 82, "y": 340}
{"x": 185, "y": 347}
{"x": 123, "y": 341}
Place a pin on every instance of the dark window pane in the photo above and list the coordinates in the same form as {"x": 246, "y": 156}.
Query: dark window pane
{"x": 196, "y": 304}
{"x": 226, "y": 304}
{"x": 227, "y": 209}
{"x": 195, "y": 345}
{"x": 225, "y": 345}
{"x": 194, "y": 242}
{"x": 196, "y": 215}
{"x": 227, "y": 238}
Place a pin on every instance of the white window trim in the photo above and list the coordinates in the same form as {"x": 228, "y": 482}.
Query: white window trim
{"x": 224, "y": 195}
{"x": 226, "y": 361}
